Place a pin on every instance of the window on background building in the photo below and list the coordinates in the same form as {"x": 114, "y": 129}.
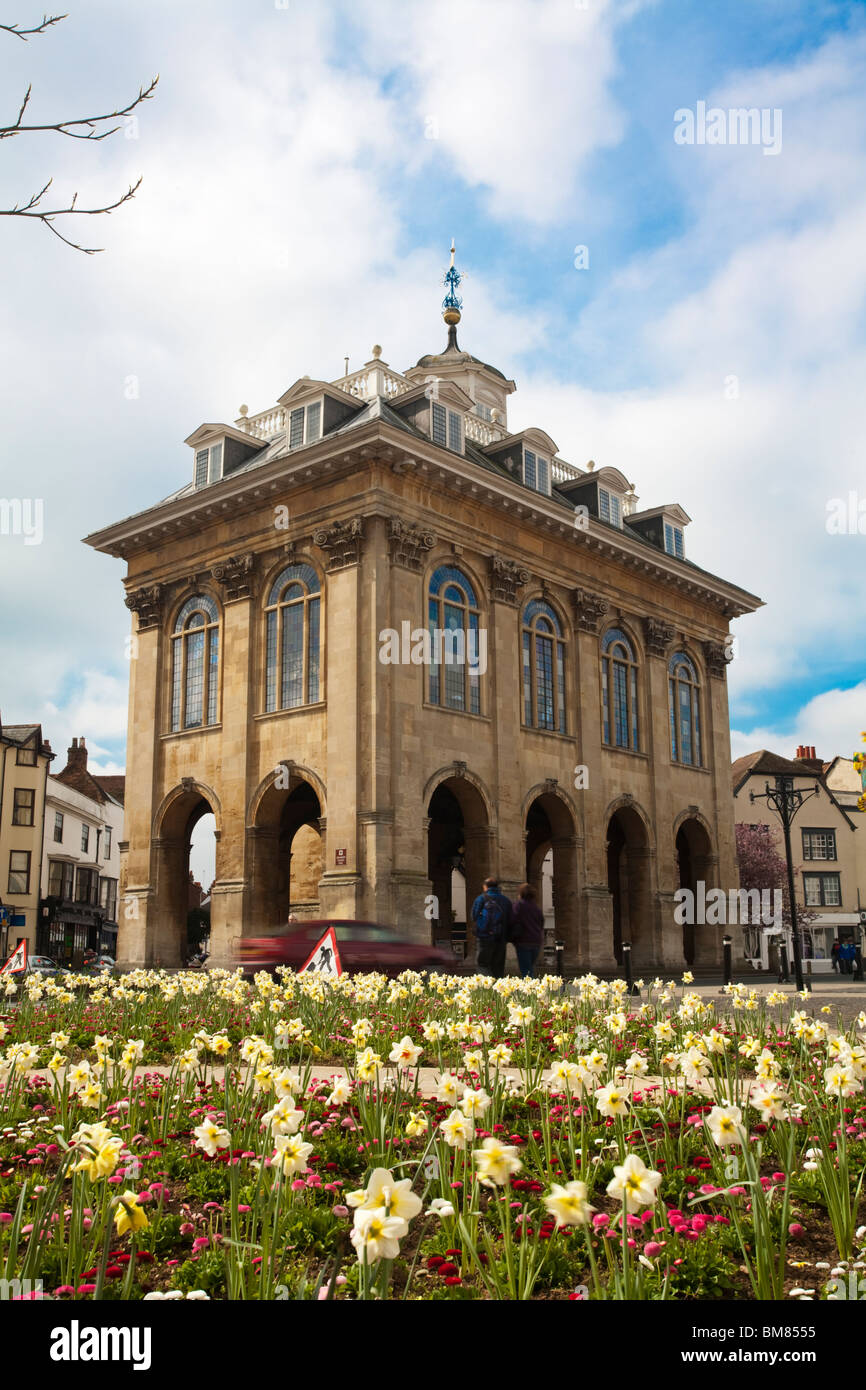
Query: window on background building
{"x": 85, "y": 839}
{"x": 674, "y": 541}
{"x": 58, "y": 827}
{"x": 87, "y": 887}
{"x": 543, "y": 668}
{"x": 61, "y": 878}
{"x": 19, "y": 871}
{"x": 483, "y": 411}
{"x": 195, "y": 664}
{"x": 822, "y": 890}
{"x": 619, "y": 691}
{"x": 108, "y": 898}
{"x": 447, "y": 428}
{"x": 107, "y": 842}
{"x": 208, "y": 465}
{"x": 305, "y": 424}
{"x": 23, "y": 799}
{"x": 684, "y": 708}
{"x": 293, "y": 639}
{"x": 536, "y": 471}
{"x": 452, "y": 608}
{"x": 25, "y": 757}
{"x": 819, "y": 844}
{"x": 609, "y": 507}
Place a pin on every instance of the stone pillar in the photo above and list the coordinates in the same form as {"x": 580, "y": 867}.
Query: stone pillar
{"x": 598, "y": 956}
{"x": 341, "y": 885}
{"x": 642, "y": 925}
{"x": 565, "y": 898}
{"x": 230, "y": 915}
{"x": 708, "y": 937}
{"x": 137, "y": 911}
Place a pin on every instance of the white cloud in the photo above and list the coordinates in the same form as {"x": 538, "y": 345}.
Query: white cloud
{"x": 831, "y": 722}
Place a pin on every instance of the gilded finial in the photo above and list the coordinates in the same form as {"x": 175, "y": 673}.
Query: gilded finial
{"x": 452, "y": 304}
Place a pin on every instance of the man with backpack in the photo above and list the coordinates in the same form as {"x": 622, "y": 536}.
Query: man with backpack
{"x": 491, "y": 913}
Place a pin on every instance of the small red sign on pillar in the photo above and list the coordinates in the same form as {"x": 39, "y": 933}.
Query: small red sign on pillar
{"x": 341, "y": 856}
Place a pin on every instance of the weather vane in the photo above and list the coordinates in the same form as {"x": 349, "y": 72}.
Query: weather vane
{"x": 452, "y": 303}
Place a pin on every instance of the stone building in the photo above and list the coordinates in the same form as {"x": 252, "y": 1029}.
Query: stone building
{"x": 377, "y": 623}
{"x": 25, "y": 758}
{"x": 826, "y": 850}
{"x": 80, "y": 861}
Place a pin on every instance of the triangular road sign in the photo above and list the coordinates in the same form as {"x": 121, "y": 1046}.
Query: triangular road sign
{"x": 324, "y": 959}
{"x": 17, "y": 961}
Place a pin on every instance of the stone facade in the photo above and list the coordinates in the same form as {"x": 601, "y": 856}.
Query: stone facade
{"x": 398, "y": 788}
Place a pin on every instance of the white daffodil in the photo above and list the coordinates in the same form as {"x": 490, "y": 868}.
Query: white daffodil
{"x": 634, "y": 1184}
{"x": 341, "y": 1093}
{"x": 417, "y": 1124}
{"x": 384, "y": 1192}
{"x": 291, "y": 1153}
{"x": 725, "y": 1123}
{"x": 841, "y": 1081}
{"x": 611, "y": 1100}
{"x": 405, "y": 1053}
{"x": 495, "y": 1162}
{"x": 209, "y": 1137}
{"x": 769, "y": 1102}
{"x": 636, "y": 1065}
{"x": 569, "y": 1203}
{"x": 457, "y": 1129}
{"x": 283, "y": 1118}
{"x": 449, "y": 1090}
{"x": 475, "y": 1103}
{"x": 441, "y": 1208}
{"x": 376, "y": 1236}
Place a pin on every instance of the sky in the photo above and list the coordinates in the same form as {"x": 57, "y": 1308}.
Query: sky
{"x": 305, "y": 164}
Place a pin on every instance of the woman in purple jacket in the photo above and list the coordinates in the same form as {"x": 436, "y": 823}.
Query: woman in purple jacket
{"x": 527, "y": 928}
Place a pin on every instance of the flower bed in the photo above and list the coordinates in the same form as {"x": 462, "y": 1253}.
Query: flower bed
{"x": 572, "y": 1144}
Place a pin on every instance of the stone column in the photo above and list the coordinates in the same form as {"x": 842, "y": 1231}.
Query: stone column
{"x": 137, "y": 914}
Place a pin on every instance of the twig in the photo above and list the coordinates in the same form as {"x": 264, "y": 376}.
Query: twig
{"x": 29, "y": 209}
{"x": 89, "y": 123}
{"x": 24, "y": 34}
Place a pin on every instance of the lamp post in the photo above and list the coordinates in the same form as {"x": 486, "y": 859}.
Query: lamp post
{"x": 787, "y": 800}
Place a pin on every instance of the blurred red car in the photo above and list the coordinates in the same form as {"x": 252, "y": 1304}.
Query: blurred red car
{"x": 363, "y": 946}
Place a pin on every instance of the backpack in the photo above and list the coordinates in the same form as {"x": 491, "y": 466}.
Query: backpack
{"x": 490, "y": 923}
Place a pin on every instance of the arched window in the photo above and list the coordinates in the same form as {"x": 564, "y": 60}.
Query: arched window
{"x": 457, "y": 661}
{"x": 292, "y": 639}
{"x": 543, "y": 668}
{"x": 619, "y": 691}
{"x": 684, "y": 700}
{"x": 195, "y": 664}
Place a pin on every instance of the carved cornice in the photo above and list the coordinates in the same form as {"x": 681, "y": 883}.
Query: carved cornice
{"x": 147, "y": 604}
{"x": 716, "y": 657}
{"x": 658, "y": 636}
{"x": 343, "y": 540}
{"x": 589, "y": 610}
{"x": 235, "y": 575}
{"x": 407, "y": 543}
{"x": 507, "y": 577}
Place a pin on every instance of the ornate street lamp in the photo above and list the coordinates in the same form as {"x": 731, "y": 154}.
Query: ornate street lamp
{"x": 787, "y": 801}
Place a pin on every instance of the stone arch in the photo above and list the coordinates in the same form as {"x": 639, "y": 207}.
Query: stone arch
{"x": 287, "y": 806}
{"x": 188, "y": 591}
{"x": 178, "y": 813}
{"x": 629, "y": 880}
{"x": 460, "y": 838}
{"x": 549, "y": 820}
{"x": 697, "y": 862}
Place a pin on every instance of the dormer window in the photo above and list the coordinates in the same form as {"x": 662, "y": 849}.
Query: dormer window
{"x": 609, "y": 507}
{"x": 674, "y": 540}
{"x": 208, "y": 465}
{"x": 536, "y": 471}
{"x": 483, "y": 411}
{"x": 447, "y": 428}
{"x": 305, "y": 424}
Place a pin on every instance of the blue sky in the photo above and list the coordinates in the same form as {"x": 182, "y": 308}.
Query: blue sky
{"x": 294, "y": 209}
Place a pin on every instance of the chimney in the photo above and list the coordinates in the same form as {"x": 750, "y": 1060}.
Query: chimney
{"x": 806, "y": 754}
{"x": 76, "y": 756}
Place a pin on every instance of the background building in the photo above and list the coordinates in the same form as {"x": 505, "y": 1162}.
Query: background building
{"x": 25, "y": 758}
{"x": 288, "y": 678}
{"x": 826, "y": 851}
{"x": 80, "y": 861}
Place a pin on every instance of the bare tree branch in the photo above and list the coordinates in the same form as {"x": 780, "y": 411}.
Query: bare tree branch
{"x": 31, "y": 209}
{"x": 81, "y": 128}
{"x": 89, "y": 123}
{"x": 38, "y": 29}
